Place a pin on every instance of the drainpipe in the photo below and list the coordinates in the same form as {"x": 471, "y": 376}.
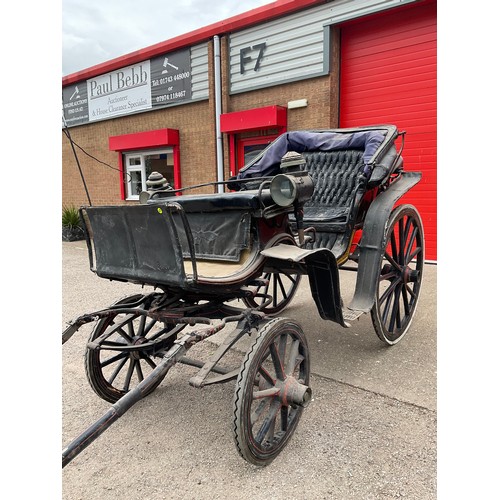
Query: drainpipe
{"x": 218, "y": 110}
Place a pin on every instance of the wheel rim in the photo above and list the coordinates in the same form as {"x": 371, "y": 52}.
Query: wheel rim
{"x": 401, "y": 276}
{"x": 275, "y": 389}
{"x": 120, "y": 364}
{"x": 280, "y": 289}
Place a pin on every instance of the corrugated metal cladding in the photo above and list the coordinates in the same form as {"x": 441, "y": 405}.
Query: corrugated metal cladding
{"x": 293, "y": 47}
{"x": 199, "y": 71}
{"x": 388, "y": 75}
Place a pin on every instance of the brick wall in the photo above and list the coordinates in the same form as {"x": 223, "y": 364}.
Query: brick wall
{"x": 195, "y": 123}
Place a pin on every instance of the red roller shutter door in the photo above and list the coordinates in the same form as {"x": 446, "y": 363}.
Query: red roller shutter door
{"x": 388, "y": 75}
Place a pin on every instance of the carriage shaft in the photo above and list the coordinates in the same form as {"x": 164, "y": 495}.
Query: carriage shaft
{"x": 173, "y": 355}
{"x": 122, "y": 405}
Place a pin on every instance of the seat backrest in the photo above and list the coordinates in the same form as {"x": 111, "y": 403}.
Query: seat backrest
{"x": 337, "y": 177}
{"x": 339, "y": 184}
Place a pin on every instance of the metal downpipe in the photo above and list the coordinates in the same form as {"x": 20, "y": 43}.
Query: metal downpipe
{"x": 218, "y": 111}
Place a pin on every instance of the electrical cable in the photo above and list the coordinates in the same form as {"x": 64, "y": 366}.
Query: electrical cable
{"x": 68, "y": 135}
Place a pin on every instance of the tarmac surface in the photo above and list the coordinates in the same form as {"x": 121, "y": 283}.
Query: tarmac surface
{"x": 369, "y": 432}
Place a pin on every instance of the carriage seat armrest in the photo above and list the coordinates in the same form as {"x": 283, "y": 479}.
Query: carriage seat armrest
{"x": 245, "y": 200}
{"x": 381, "y": 171}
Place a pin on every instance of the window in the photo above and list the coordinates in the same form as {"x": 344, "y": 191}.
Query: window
{"x": 250, "y": 147}
{"x": 138, "y": 166}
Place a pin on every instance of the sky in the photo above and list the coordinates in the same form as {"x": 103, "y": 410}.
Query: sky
{"x": 96, "y": 31}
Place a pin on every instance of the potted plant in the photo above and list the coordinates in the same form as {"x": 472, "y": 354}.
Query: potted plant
{"x": 71, "y": 225}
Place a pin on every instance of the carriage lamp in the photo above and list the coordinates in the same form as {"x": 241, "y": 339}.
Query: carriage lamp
{"x": 294, "y": 185}
{"x": 156, "y": 183}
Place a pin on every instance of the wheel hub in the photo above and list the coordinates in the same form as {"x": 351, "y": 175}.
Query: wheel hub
{"x": 410, "y": 275}
{"x": 137, "y": 340}
{"x": 293, "y": 393}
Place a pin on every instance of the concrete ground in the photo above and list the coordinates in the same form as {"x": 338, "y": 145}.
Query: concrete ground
{"x": 369, "y": 433}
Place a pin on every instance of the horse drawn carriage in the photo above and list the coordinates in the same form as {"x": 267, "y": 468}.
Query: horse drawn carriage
{"x": 311, "y": 203}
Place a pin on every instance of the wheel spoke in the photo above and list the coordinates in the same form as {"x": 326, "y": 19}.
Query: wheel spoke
{"x": 394, "y": 248}
{"x": 159, "y": 333}
{"x": 284, "y": 418}
{"x": 118, "y": 328}
{"x": 277, "y": 363}
{"x": 148, "y": 360}
{"x": 391, "y": 260}
{"x": 266, "y": 292}
{"x": 266, "y": 375}
{"x": 138, "y": 370}
{"x": 268, "y": 422}
{"x": 282, "y": 288}
{"x": 114, "y": 359}
{"x": 414, "y": 254}
{"x": 117, "y": 370}
{"x": 120, "y": 331}
{"x": 388, "y": 276}
{"x": 148, "y": 328}
{"x": 410, "y": 243}
{"x": 395, "y": 316}
{"x": 387, "y": 308}
{"x": 266, "y": 393}
{"x": 402, "y": 240}
{"x": 140, "y": 328}
{"x": 406, "y": 302}
{"x": 130, "y": 327}
{"x": 410, "y": 290}
{"x": 128, "y": 377}
{"x": 292, "y": 357}
{"x": 389, "y": 291}
{"x": 259, "y": 410}
{"x": 282, "y": 346}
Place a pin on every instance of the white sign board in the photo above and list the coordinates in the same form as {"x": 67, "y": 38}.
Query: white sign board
{"x": 120, "y": 92}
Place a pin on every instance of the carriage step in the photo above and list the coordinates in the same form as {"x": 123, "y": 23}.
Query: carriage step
{"x": 350, "y": 315}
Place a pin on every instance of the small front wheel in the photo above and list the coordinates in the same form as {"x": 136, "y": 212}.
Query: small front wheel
{"x": 272, "y": 391}
{"x": 122, "y": 358}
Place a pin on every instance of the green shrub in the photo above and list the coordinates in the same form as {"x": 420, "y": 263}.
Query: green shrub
{"x": 70, "y": 217}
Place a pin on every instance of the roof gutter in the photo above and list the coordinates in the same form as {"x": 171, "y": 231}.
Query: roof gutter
{"x": 235, "y": 23}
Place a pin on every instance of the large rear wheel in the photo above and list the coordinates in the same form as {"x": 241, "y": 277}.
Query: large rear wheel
{"x": 400, "y": 277}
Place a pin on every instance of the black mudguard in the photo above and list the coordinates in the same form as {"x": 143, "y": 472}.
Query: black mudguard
{"x": 325, "y": 285}
{"x": 372, "y": 244}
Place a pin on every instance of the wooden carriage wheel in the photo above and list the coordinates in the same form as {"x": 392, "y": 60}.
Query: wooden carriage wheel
{"x": 400, "y": 278}
{"x": 272, "y": 390}
{"x": 114, "y": 369}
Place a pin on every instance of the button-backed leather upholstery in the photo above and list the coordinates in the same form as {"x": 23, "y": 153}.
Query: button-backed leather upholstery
{"x": 338, "y": 187}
